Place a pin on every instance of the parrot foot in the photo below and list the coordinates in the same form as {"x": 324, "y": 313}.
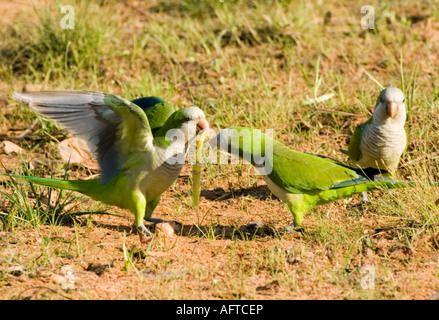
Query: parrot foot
{"x": 293, "y": 228}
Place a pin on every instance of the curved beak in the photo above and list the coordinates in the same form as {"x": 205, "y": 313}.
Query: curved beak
{"x": 202, "y": 125}
{"x": 392, "y": 109}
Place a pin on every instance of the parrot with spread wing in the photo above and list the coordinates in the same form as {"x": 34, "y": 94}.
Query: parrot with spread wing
{"x": 158, "y": 111}
{"x": 380, "y": 142}
{"x": 300, "y": 180}
{"x": 137, "y": 166}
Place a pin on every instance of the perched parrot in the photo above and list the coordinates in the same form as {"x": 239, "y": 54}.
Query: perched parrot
{"x": 380, "y": 142}
{"x": 136, "y": 166}
{"x": 298, "y": 179}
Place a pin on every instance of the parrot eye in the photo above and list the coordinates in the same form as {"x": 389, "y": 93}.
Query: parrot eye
{"x": 187, "y": 119}
{"x": 403, "y": 100}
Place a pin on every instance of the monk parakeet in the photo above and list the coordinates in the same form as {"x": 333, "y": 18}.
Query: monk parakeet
{"x": 158, "y": 111}
{"x": 136, "y": 166}
{"x": 380, "y": 142}
{"x": 298, "y": 179}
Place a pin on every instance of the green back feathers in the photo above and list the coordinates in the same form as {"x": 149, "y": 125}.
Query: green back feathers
{"x": 90, "y": 187}
{"x": 133, "y": 135}
{"x": 246, "y": 141}
{"x": 294, "y": 171}
{"x": 299, "y": 172}
{"x": 158, "y": 115}
{"x": 157, "y": 111}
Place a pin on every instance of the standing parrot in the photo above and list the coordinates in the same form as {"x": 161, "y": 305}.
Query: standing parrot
{"x": 298, "y": 179}
{"x": 158, "y": 111}
{"x": 136, "y": 166}
{"x": 380, "y": 142}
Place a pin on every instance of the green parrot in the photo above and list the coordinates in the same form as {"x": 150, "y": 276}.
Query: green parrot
{"x": 136, "y": 166}
{"x": 380, "y": 142}
{"x": 300, "y": 180}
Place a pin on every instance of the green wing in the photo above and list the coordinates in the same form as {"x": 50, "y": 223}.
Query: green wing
{"x": 299, "y": 172}
{"x": 296, "y": 172}
{"x": 354, "y": 152}
{"x": 115, "y": 129}
{"x": 133, "y": 130}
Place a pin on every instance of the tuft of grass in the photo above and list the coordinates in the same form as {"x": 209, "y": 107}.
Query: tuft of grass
{"x": 34, "y": 205}
{"x": 47, "y": 52}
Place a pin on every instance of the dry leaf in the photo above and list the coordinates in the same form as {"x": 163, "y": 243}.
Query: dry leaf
{"x": 75, "y": 151}
{"x": 168, "y": 227}
{"x": 10, "y": 147}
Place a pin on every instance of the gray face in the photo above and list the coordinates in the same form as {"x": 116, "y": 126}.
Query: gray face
{"x": 192, "y": 121}
{"x": 390, "y": 106}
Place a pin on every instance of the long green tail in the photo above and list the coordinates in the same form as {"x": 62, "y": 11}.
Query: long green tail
{"x": 363, "y": 184}
{"x": 348, "y": 188}
{"x": 300, "y": 204}
{"x": 88, "y": 187}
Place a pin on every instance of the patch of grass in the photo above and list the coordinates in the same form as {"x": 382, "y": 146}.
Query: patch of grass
{"x": 29, "y": 204}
